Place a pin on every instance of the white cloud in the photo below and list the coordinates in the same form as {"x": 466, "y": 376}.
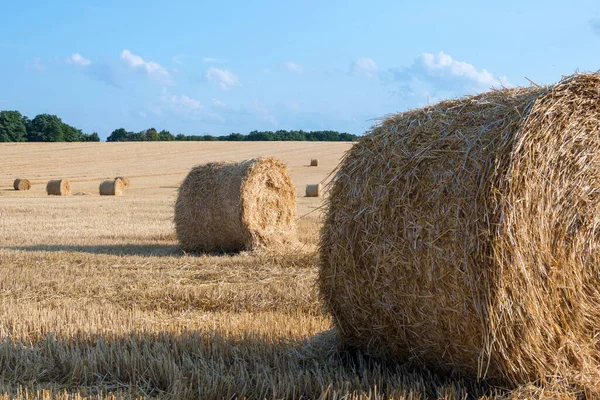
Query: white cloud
{"x": 36, "y": 64}
{"x": 293, "y": 67}
{"x": 218, "y": 103}
{"x": 210, "y": 59}
{"x": 150, "y": 68}
{"x": 79, "y": 60}
{"x": 143, "y": 114}
{"x": 180, "y": 104}
{"x": 365, "y": 66}
{"x": 223, "y": 77}
{"x": 443, "y": 64}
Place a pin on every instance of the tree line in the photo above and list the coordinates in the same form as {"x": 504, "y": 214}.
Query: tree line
{"x": 15, "y": 127}
{"x": 152, "y": 135}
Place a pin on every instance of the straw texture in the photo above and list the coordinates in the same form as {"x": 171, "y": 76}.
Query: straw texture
{"x": 21, "y": 184}
{"x": 314, "y": 162}
{"x": 228, "y": 207}
{"x": 314, "y": 190}
{"x": 125, "y": 181}
{"x": 60, "y": 187}
{"x": 465, "y": 236}
{"x": 112, "y": 187}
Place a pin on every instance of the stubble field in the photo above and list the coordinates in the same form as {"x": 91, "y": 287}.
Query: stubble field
{"x": 97, "y": 300}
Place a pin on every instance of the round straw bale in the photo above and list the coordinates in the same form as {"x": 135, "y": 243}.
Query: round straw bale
{"x": 235, "y": 206}
{"x": 124, "y": 179}
{"x": 21, "y": 184}
{"x": 112, "y": 187}
{"x": 471, "y": 243}
{"x": 314, "y": 162}
{"x": 60, "y": 187}
{"x": 314, "y": 190}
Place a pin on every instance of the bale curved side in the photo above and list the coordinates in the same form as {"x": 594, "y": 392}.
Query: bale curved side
{"x": 111, "y": 187}
{"x": 59, "y": 187}
{"x": 314, "y": 162}
{"x": 314, "y": 190}
{"x": 470, "y": 244}
{"x": 228, "y": 207}
{"x": 21, "y": 184}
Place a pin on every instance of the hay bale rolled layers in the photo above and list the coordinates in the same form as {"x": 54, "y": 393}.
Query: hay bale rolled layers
{"x": 471, "y": 243}
{"x": 314, "y": 162}
{"x": 21, "y": 184}
{"x": 112, "y": 187}
{"x": 60, "y": 187}
{"x": 229, "y": 206}
{"x": 314, "y": 190}
{"x": 124, "y": 179}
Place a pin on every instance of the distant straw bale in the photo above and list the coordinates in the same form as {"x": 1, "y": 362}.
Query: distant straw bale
{"x": 21, "y": 184}
{"x": 112, "y": 187}
{"x": 314, "y": 162}
{"x": 124, "y": 179}
{"x": 314, "y": 190}
{"x": 471, "y": 242}
{"x": 228, "y": 206}
{"x": 60, "y": 187}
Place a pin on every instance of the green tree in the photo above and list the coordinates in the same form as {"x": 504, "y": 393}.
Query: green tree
{"x": 92, "y": 137}
{"x": 45, "y": 128}
{"x": 12, "y": 127}
{"x": 166, "y": 136}
{"x": 150, "y": 135}
{"x": 118, "y": 135}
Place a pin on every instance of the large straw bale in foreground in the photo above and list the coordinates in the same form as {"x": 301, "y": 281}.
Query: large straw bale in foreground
{"x": 113, "y": 187}
{"x": 226, "y": 207}
{"x": 21, "y": 184}
{"x": 471, "y": 241}
{"x": 60, "y": 187}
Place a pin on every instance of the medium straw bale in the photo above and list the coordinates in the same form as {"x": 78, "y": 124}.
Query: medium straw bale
{"x": 465, "y": 236}
{"x": 314, "y": 190}
{"x": 235, "y": 206}
{"x": 21, "y": 184}
{"x": 314, "y": 162}
{"x": 60, "y": 187}
{"x": 113, "y": 187}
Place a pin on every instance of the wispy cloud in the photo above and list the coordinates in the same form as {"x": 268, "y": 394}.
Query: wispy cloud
{"x": 218, "y": 103}
{"x": 293, "y": 67}
{"x": 435, "y": 76}
{"x": 224, "y": 78}
{"x": 181, "y": 104}
{"x": 365, "y": 66}
{"x": 78, "y": 59}
{"x": 595, "y": 25}
{"x": 35, "y": 64}
{"x": 150, "y": 68}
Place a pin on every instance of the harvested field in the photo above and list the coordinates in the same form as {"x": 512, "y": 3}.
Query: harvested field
{"x": 98, "y": 301}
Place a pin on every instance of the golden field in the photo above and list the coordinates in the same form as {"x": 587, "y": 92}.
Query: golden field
{"x": 98, "y": 301}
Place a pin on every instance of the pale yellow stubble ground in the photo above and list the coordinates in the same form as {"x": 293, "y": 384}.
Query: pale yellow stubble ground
{"x": 96, "y": 297}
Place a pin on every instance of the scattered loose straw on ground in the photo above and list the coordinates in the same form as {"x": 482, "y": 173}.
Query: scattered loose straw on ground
{"x": 465, "y": 236}
{"x": 60, "y": 187}
{"x": 314, "y": 190}
{"x": 112, "y": 187}
{"x": 21, "y": 184}
{"x": 226, "y": 207}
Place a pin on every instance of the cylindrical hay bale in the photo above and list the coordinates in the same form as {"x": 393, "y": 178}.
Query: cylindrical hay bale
{"x": 235, "y": 206}
{"x": 21, "y": 184}
{"x": 471, "y": 243}
{"x": 60, "y": 187}
{"x": 124, "y": 179}
{"x": 314, "y": 162}
{"x": 112, "y": 188}
{"x": 314, "y": 190}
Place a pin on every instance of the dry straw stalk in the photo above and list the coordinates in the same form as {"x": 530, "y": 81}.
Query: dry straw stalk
{"x": 21, "y": 184}
{"x": 314, "y": 190}
{"x": 60, "y": 187}
{"x": 228, "y": 206}
{"x": 112, "y": 187}
{"x": 466, "y": 236}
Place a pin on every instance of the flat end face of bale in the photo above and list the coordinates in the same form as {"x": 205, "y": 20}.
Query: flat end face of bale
{"x": 111, "y": 187}
{"x": 314, "y": 190}
{"x": 21, "y": 184}
{"x": 314, "y": 162}
{"x": 469, "y": 244}
{"x": 230, "y": 207}
{"x": 59, "y": 187}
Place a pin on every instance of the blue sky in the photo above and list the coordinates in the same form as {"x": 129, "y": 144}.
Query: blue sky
{"x": 234, "y": 66}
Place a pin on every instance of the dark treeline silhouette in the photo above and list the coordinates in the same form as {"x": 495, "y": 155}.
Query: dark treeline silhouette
{"x": 152, "y": 135}
{"x": 15, "y": 127}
